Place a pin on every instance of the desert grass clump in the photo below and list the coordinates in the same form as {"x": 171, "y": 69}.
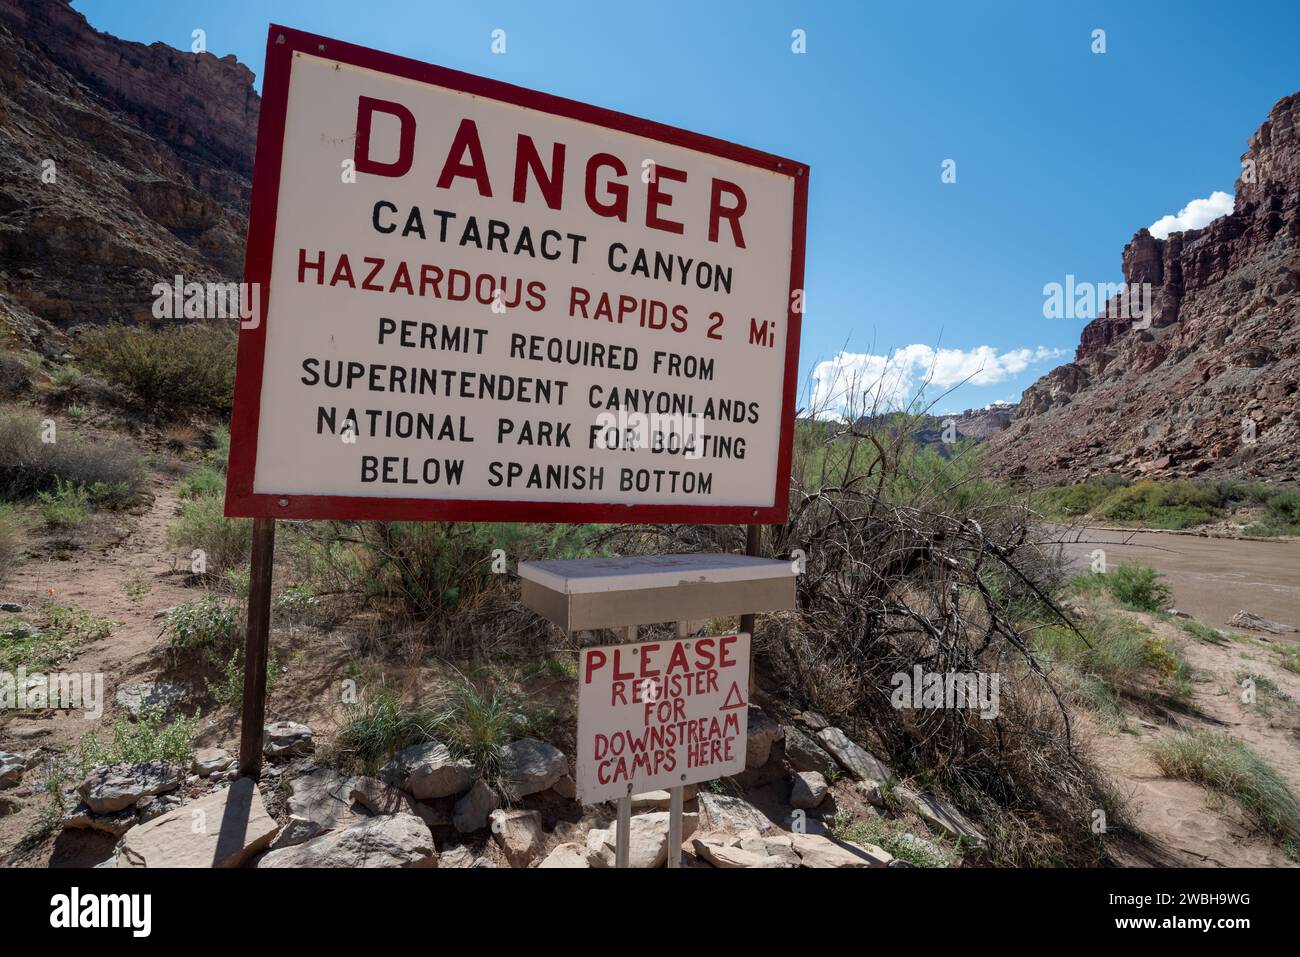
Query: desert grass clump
{"x": 379, "y": 726}
{"x": 203, "y": 481}
{"x": 65, "y": 506}
{"x": 1228, "y": 767}
{"x": 478, "y": 723}
{"x": 1113, "y": 656}
{"x": 181, "y": 437}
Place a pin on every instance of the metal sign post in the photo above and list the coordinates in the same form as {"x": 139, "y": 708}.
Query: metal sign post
{"x": 256, "y": 648}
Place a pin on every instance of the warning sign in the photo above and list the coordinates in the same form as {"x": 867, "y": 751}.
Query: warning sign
{"x": 660, "y": 714}
{"x": 483, "y": 303}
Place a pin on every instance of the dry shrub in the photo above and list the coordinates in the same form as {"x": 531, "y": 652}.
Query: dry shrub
{"x": 29, "y": 466}
{"x": 13, "y": 540}
{"x": 432, "y": 586}
{"x": 179, "y": 437}
{"x": 913, "y": 558}
{"x": 169, "y": 371}
{"x": 15, "y": 376}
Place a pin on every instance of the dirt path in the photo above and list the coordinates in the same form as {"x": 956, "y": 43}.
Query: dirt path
{"x": 95, "y": 579}
{"x": 1188, "y": 825}
{"x": 1212, "y": 578}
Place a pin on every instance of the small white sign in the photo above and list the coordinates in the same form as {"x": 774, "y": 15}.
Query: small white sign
{"x": 660, "y": 714}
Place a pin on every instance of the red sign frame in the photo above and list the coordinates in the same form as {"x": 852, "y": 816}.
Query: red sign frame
{"x": 242, "y": 501}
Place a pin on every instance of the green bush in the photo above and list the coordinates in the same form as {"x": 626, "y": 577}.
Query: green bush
{"x": 1115, "y": 656}
{"x": 203, "y": 481}
{"x": 171, "y": 370}
{"x": 1283, "y": 511}
{"x": 380, "y": 726}
{"x": 66, "y": 380}
{"x": 15, "y": 376}
{"x": 56, "y": 634}
{"x": 1135, "y": 587}
{"x": 149, "y": 738}
{"x": 1173, "y": 505}
{"x": 206, "y": 630}
{"x": 228, "y": 689}
{"x": 425, "y": 568}
{"x": 66, "y": 507}
{"x": 1071, "y": 501}
{"x": 202, "y": 524}
{"x": 1138, "y": 587}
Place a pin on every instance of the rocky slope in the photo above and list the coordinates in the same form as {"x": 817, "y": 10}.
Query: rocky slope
{"x": 128, "y": 164}
{"x": 1212, "y": 387}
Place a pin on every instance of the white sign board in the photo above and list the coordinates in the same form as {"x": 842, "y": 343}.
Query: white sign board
{"x": 656, "y": 715}
{"x": 480, "y": 302}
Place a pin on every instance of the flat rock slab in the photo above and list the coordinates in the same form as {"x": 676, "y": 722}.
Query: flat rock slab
{"x": 224, "y": 829}
{"x": 284, "y": 739}
{"x": 819, "y": 851}
{"x": 746, "y": 850}
{"x": 726, "y": 813}
{"x": 660, "y": 800}
{"x": 860, "y": 763}
{"x": 119, "y": 786}
{"x": 647, "y": 840}
{"x": 11, "y": 770}
{"x": 566, "y": 855}
{"x": 940, "y": 814}
{"x": 117, "y": 823}
{"x": 518, "y": 834}
{"x": 322, "y": 796}
{"x": 803, "y": 753}
{"x": 473, "y": 807}
{"x": 395, "y": 840}
{"x": 761, "y": 733}
{"x": 164, "y": 696}
{"x": 808, "y": 790}
{"x": 210, "y": 761}
{"x": 379, "y": 798}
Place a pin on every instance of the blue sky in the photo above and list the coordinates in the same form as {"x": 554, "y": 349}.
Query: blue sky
{"x": 1061, "y": 153}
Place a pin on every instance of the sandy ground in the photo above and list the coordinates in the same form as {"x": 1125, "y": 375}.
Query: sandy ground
{"x": 1185, "y": 824}
{"x": 1212, "y": 578}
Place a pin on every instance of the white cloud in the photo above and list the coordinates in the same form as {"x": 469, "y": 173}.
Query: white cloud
{"x": 1197, "y": 213}
{"x": 853, "y": 383}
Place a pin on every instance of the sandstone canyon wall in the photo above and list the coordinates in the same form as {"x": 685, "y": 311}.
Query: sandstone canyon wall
{"x": 1222, "y": 348}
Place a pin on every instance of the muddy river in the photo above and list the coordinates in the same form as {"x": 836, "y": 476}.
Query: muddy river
{"x": 1211, "y": 578}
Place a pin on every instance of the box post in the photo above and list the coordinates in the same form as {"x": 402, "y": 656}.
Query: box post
{"x": 675, "y": 804}
{"x": 623, "y": 837}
